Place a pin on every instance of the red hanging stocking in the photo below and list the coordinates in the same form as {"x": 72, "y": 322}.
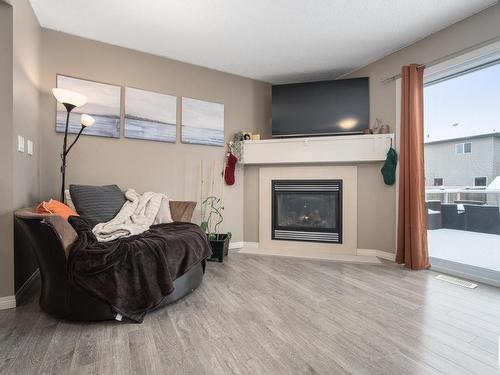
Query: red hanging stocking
{"x": 230, "y": 166}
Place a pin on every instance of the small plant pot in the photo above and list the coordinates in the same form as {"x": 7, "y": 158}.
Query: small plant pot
{"x": 220, "y": 247}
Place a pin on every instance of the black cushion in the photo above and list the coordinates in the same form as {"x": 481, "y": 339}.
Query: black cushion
{"x": 97, "y": 204}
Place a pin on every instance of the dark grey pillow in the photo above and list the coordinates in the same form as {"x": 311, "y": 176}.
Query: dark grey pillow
{"x": 97, "y": 204}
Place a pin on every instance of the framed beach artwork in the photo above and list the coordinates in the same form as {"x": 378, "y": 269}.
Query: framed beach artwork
{"x": 150, "y": 115}
{"x": 202, "y": 122}
{"x": 103, "y": 105}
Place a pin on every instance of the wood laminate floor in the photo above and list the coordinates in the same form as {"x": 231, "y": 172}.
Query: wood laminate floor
{"x": 272, "y": 315}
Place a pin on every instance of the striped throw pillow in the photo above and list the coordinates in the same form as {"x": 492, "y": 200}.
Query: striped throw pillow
{"x": 97, "y": 204}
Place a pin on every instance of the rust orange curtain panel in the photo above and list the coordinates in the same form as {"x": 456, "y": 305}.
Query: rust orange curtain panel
{"x": 412, "y": 214}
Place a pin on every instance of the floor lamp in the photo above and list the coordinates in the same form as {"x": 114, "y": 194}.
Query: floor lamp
{"x": 70, "y": 100}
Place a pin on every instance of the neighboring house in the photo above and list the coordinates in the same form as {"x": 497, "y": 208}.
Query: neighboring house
{"x": 463, "y": 162}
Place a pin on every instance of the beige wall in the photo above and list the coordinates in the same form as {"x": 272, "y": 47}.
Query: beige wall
{"x": 27, "y": 34}
{"x": 251, "y": 204}
{"x": 145, "y": 165}
{"x": 26, "y": 63}
{"x": 6, "y": 153}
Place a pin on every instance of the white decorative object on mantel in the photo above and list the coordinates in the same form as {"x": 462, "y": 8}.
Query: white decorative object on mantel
{"x": 335, "y": 149}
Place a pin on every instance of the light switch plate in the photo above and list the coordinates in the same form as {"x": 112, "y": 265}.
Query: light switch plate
{"x": 20, "y": 143}
{"x": 30, "y": 147}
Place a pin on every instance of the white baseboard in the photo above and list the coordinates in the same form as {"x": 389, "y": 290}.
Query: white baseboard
{"x": 235, "y": 245}
{"x": 253, "y": 245}
{"x": 8, "y": 302}
{"x": 363, "y": 252}
{"x": 377, "y": 253}
{"x": 242, "y": 244}
{"x": 312, "y": 255}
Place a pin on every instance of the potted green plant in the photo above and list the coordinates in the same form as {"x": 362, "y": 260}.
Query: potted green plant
{"x": 212, "y": 210}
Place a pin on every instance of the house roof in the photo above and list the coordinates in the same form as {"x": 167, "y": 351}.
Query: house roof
{"x": 468, "y": 138}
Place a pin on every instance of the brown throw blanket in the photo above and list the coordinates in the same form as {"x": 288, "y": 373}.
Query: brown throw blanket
{"x": 134, "y": 274}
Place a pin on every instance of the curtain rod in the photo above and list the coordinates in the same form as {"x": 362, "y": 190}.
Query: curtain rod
{"x": 447, "y": 57}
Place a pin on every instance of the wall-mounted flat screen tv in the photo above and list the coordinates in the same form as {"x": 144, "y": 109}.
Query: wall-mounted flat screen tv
{"x": 321, "y": 108}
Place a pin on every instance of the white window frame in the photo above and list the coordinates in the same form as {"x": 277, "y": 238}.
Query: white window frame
{"x": 470, "y": 148}
{"x": 437, "y": 178}
{"x": 464, "y": 62}
{"x": 474, "y": 181}
{"x": 462, "y": 147}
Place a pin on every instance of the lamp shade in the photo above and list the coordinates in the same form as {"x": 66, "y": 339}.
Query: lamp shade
{"x": 87, "y": 120}
{"x": 73, "y": 98}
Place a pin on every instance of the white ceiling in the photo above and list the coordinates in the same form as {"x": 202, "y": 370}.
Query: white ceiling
{"x": 272, "y": 40}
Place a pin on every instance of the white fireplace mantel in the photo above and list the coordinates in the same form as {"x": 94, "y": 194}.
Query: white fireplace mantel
{"x": 335, "y": 149}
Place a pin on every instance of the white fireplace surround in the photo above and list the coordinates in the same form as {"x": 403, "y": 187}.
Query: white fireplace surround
{"x": 348, "y": 175}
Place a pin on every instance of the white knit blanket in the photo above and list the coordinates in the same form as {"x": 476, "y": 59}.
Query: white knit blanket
{"x": 135, "y": 217}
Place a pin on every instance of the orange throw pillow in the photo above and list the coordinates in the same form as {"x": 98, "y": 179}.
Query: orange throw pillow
{"x": 55, "y": 208}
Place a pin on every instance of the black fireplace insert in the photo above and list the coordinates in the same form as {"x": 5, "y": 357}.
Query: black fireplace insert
{"x": 307, "y": 210}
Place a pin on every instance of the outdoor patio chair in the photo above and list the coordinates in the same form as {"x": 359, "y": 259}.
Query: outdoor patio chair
{"x": 434, "y": 219}
{"x": 434, "y": 205}
{"x": 451, "y": 218}
{"x": 483, "y": 219}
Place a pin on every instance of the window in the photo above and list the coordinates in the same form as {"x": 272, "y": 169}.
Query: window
{"x": 479, "y": 181}
{"x": 463, "y": 148}
{"x": 438, "y": 182}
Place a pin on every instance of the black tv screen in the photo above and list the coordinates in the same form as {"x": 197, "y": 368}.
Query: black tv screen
{"x": 321, "y": 108}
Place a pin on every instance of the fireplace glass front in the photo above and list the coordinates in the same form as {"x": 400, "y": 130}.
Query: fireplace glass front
{"x": 307, "y": 210}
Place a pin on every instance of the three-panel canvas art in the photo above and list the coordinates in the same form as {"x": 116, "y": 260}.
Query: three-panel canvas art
{"x": 147, "y": 115}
